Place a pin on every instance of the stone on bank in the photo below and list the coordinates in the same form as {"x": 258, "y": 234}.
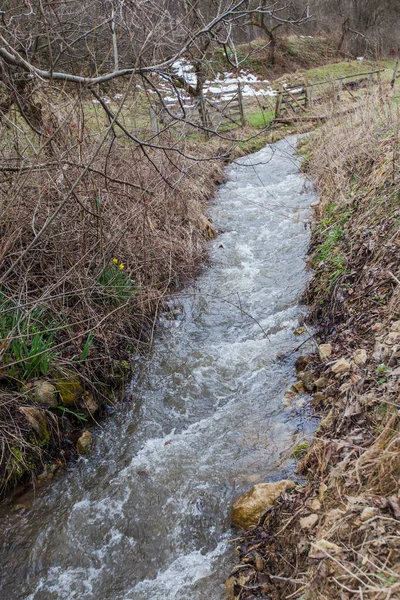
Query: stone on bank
{"x": 70, "y": 390}
{"x": 248, "y": 508}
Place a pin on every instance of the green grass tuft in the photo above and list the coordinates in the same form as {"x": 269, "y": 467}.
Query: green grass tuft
{"x": 260, "y": 119}
{"x": 115, "y": 286}
{"x": 26, "y": 341}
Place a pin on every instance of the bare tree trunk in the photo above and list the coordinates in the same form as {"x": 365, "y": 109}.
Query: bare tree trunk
{"x": 345, "y": 29}
{"x": 259, "y": 21}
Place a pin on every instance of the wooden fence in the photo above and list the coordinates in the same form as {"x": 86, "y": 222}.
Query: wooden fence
{"x": 227, "y": 112}
{"x": 300, "y": 97}
{"x": 292, "y": 102}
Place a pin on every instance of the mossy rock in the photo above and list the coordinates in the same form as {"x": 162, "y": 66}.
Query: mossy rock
{"x": 84, "y": 444}
{"x": 70, "y": 390}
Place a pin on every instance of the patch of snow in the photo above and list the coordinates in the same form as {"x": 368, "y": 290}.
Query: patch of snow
{"x": 248, "y": 91}
{"x": 175, "y": 99}
{"x": 183, "y": 68}
{"x": 227, "y": 97}
{"x": 223, "y": 87}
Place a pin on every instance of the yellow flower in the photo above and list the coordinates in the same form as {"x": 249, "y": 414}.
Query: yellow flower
{"x": 115, "y": 261}
{"x": 121, "y": 267}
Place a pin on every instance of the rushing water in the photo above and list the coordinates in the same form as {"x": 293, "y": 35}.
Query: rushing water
{"x": 146, "y": 517}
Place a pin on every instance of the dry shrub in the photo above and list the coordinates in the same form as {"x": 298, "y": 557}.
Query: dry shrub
{"x": 93, "y": 236}
{"x": 356, "y": 451}
{"x": 351, "y": 147}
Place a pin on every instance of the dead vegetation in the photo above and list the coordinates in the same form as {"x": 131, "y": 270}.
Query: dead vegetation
{"x": 337, "y": 536}
{"x": 94, "y": 232}
{"x": 292, "y": 53}
{"x": 103, "y": 188}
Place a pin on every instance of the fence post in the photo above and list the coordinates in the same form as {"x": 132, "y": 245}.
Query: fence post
{"x": 153, "y": 120}
{"x": 312, "y": 93}
{"x": 241, "y": 107}
{"x": 307, "y": 94}
{"x": 205, "y": 122}
{"x": 340, "y": 87}
{"x": 279, "y": 103}
{"x": 394, "y": 73}
{"x": 370, "y": 78}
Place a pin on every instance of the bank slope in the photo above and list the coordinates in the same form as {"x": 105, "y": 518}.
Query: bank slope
{"x": 337, "y": 536}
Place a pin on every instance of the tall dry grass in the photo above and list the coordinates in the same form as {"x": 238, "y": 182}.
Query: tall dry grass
{"x": 338, "y": 535}
{"x": 95, "y": 230}
{"x": 355, "y": 293}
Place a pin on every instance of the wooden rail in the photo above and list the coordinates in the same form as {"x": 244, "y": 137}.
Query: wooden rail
{"x": 300, "y": 96}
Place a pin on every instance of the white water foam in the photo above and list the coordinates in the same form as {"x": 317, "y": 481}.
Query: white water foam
{"x": 177, "y": 581}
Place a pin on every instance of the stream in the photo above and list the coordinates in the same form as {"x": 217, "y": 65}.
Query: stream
{"x": 147, "y": 515}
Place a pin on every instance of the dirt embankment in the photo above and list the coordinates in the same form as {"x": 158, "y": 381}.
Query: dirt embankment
{"x": 338, "y": 535}
{"x": 292, "y": 52}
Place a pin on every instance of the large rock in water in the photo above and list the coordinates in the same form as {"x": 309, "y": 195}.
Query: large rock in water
{"x": 248, "y": 508}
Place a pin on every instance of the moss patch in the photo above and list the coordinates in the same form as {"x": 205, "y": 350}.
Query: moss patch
{"x": 300, "y": 450}
{"x": 70, "y": 390}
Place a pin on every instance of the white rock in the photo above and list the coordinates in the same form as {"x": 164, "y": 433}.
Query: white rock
{"x": 381, "y": 352}
{"x": 321, "y": 549}
{"x": 393, "y": 338}
{"x": 360, "y": 356}
{"x": 322, "y": 490}
{"x": 395, "y": 326}
{"x": 315, "y": 504}
{"x": 46, "y": 393}
{"x": 324, "y": 351}
{"x": 341, "y": 366}
{"x": 309, "y": 522}
{"x": 368, "y": 513}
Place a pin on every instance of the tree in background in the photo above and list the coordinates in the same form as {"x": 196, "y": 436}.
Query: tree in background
{"x": 363, "y": 27}
{"x": 92, "y": 43}
{"x": 271, "y": 23}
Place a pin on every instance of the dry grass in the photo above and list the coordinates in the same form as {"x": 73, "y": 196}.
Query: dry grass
{"x": 353, "y": 465}
{"x": 93, "y": 235}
